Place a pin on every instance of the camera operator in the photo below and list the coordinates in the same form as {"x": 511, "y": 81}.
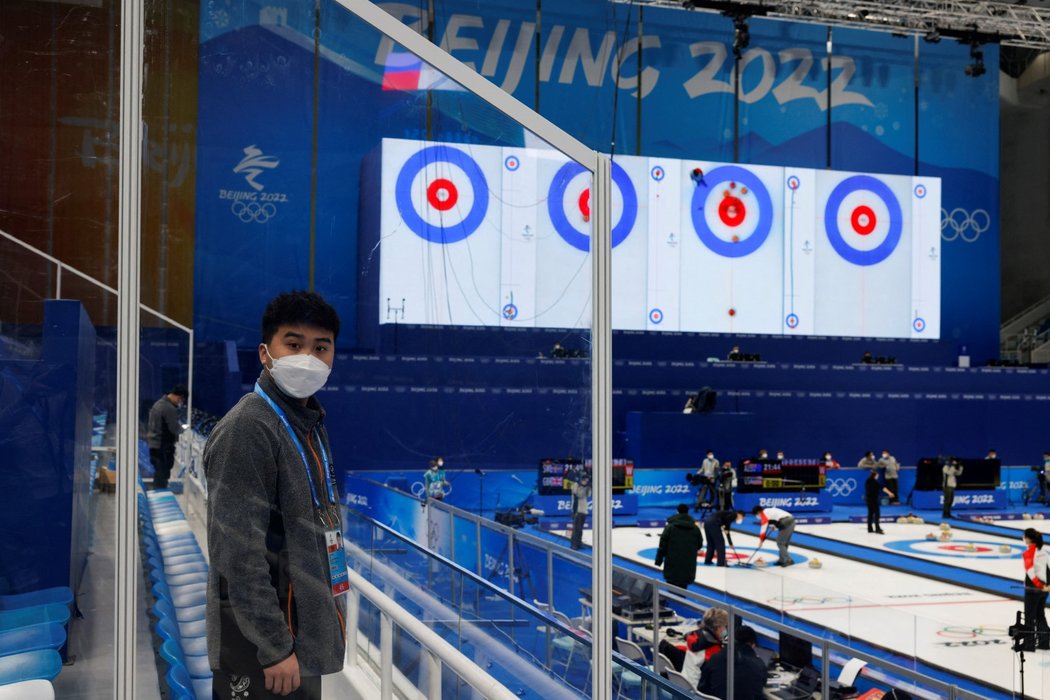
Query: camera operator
{"x": 1040, "y": 478}
{"x": 706, "y": 476}
{"x": 581, "y": 491}
{"x": 1037, "y": 633}
{"x": 726, "y": 483}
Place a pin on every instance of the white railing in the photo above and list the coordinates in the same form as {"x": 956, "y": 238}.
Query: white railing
{"x": 438, "y": 652}
{"x": 63, "y": 267}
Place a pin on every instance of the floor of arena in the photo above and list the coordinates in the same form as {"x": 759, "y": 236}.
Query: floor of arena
{"x": 913, "y": 591}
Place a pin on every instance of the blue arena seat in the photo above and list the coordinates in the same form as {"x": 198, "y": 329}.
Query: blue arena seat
{"x": 36, "y": 615}
{"x": 42, "y": 664}
{"x": 31, "y": 638}
{"x": 62, "y": 595}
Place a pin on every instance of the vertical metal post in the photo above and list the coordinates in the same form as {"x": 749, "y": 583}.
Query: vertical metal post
{"x": 825, "y": 672}
{"x": 386, "y": 657}
{"x": 477, "y": 537}
{"x": 353, "y": 615}
{"x": 58, "y": 282}
{"x": 126, "y": 570}
{"x": 656, "y": 619}
{"x": 433, "y": 665}
{"x": 550, "y": 576}
{"x": 601, "y": 427}
{"x": 510, "y": 568}
{"x": 189, "y": 384}
{"x": 731, "y": 653}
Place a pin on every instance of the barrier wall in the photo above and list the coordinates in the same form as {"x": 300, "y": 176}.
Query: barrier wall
{"x": 653, "y": 488}
{"x": 45, "y": 439}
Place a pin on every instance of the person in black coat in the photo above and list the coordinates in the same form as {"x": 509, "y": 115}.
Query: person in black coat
{"x": 749, "y": 672}
{"x": 680, "y": 542}
{"x": 714, "y": 524}
{"x": 873, "y": 491}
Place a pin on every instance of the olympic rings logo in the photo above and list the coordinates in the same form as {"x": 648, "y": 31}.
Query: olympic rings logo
{"x": 962, "y": 224}
{"x": 812, "y": 600}
{"x": 253, "y": 211}
{"x": 419, "y": 490}
{"x": 841, "y": 487}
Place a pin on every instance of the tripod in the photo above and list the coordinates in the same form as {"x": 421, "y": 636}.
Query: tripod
{"x": 1036, "y": 490}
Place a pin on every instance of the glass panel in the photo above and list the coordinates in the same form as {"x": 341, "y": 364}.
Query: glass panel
{"x": 57, "y": 365}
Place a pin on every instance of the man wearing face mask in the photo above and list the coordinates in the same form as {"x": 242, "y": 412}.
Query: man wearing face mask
{"x": 164, "y": 429}
{"x": 275, "y": 606}
{"x": 434, "y": 479}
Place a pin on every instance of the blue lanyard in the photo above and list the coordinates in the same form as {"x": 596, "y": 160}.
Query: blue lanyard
{"x": 302, "y": 453}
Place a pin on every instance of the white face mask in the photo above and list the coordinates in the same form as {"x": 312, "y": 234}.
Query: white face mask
{"x": 299, "y": 376}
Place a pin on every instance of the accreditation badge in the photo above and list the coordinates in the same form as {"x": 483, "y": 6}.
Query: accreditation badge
{"x": 336, "y": 562}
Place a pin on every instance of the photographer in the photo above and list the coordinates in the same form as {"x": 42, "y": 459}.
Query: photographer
{"x": 1037, "y": 633}
{"x": 727, "y": 481}
{"x": 705, "y": 479}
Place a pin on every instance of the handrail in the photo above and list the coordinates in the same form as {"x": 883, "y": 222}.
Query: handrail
{"x": 508, "y": 658}
{"x": 446, "y": 654}
{"x": 142, "y": 307}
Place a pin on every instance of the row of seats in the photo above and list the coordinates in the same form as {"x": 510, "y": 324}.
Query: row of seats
{"x": 32, "y": 630}
{"x": 178, "y": 575}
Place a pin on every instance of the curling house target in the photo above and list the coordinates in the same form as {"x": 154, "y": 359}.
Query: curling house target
{"x": 733, "y": 214}
{"x": 863, "y": 220}
{"x": 455, "y": 195}
{"x": 569, "y": 200}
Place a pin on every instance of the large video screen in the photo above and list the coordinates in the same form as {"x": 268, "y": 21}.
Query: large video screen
{"x": 497, "y": 236}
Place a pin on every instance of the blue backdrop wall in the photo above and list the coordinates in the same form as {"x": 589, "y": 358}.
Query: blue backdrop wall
{"x": 663, "y": 90}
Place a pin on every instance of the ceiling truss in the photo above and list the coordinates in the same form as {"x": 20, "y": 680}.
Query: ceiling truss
{"x": 1019, "y": 23}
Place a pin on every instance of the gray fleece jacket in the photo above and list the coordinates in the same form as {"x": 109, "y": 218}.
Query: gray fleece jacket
{"x": 269, "y": 592}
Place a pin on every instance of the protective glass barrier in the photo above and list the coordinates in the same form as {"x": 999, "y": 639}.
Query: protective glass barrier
{"x": 534, "y": 650}
{"x": 58, "y": 315}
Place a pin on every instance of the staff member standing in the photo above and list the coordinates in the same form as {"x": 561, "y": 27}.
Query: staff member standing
{"x": 951, "y": 471}
{"x": 873, "y": 491}
{"x": 434, "y": 481}
{"x": 164, "y": 429}
{"x": 784, "y": 522}
{"x": 277, "y": 574}
{"x": 1035, "y": 592}
{"x": 581, "y": 491}
{"x": 680, "y": 542}
{"x": 714, "y": 524}
{"x": 892, "y": 473}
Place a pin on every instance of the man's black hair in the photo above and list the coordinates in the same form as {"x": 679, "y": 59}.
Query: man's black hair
{"x": 179, "y": 390}
{"x": 298, "y": 308}
{"x": 1035, "y": 537}
{"x": 746, "y": 636}
{"x": 683, "y": 508}
{"x": 756, "y": 510}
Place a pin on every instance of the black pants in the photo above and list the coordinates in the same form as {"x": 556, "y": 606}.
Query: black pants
{"x": 949, "y": 498}
{"x": 894, "y": 486}
{"x": 1035, "y": 617}
{"x": 577, "y": 529}
{"x": 162, "y": 458}
{"x": 874, "y": 512}
{"x": 252, "y": 686}
{"x": 716, "y": 543}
